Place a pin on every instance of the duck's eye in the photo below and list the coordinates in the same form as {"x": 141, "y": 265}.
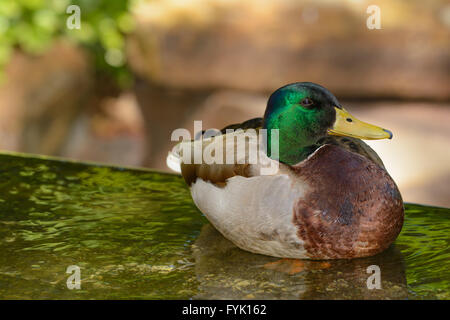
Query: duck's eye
{"x": 307, "y": 102}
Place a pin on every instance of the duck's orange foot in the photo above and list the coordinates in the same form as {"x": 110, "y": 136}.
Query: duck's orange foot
{"x": 289, "y": 266}
{"x": 293, "y": 266}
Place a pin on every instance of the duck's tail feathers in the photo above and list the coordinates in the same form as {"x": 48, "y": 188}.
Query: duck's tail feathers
{"x": 173, "y": 159}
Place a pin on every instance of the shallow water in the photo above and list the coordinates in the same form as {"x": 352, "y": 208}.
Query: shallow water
{"x": 137, "y": 234}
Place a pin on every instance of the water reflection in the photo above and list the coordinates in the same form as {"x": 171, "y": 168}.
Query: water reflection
{"x": 226, "y": 272}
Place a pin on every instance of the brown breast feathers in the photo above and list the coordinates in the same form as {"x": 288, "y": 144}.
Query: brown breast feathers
{"x": 353, "y": 209}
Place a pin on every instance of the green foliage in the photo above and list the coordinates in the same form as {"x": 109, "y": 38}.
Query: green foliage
{"x": 33, "y": 26}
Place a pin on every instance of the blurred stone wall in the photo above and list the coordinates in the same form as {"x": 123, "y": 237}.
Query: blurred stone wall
{"x": 197, "y": 48}
{"x": 41, "y": 98}
{"x": 51, "y": 105}
{"x": 218, "y": 61}
{"x": 261, "y": 45}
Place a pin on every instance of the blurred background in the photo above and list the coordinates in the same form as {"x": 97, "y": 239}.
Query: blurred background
{"x": 113, "y": 90}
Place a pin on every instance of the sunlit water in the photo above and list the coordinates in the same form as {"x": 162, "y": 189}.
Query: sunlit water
{"x": 137, "y": 234}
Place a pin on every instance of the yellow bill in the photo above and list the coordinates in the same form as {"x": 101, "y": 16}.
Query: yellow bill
{"x": 348, "y": 125}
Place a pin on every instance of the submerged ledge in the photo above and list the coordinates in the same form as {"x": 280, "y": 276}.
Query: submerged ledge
{"x": 135, "y": 233}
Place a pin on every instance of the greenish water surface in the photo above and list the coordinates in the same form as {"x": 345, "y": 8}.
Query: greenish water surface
{"x": 136, "y": 234}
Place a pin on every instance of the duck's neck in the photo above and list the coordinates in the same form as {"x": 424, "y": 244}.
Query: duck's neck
{"x": 298, "y": 132}
{"x": 291, "y": 149}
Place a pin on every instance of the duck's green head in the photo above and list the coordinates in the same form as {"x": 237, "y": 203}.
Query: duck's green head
{"x": 303, "y": 113}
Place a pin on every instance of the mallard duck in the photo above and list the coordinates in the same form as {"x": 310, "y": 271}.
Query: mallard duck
{"x": 330, "y": 196}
